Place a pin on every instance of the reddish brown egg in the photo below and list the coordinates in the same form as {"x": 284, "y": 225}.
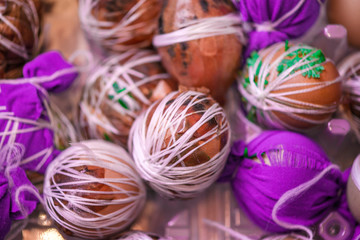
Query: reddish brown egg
{"x": 92, "y": 190}
{"x": 292, "y": 87}
{"x": 120, "y": 25}
{"x": 180, "y": 144}
{"x": 118, "y": 90}
{"x": 211, "y": 62}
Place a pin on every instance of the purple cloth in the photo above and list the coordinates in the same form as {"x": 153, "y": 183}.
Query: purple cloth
{"x": 26, "y": 102}
{"x": 28, "y": 107}
{"x": 294, "y": 160}
{"x": 269, "y": 11}
{"x": 9, "y": 210}
{"x": 45, "y": 65}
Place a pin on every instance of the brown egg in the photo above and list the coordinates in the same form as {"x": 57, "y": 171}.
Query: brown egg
{"x": 24, "y": 17}
{"x": 292, "y": 110}
{"x": 211, "y": 62}
{"x": 129, "y": 24}
{"x": 106, "y": 112}
{"x": 350, "y": 69}
{"x": 180, "y": 144}
{"x": 92, "y": 190}
{"x": 346, "y": 13}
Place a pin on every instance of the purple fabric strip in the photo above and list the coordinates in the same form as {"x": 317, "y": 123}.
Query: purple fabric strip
{"x": 263, "y": 12}
{"x": 45, "y": 65}
{"x": 292, "y": 159}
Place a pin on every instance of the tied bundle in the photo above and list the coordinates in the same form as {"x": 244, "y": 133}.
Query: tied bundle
{"x": 27, "y": 115}
{"x": 285, "y": 182}
{"x": 270, "y": 21}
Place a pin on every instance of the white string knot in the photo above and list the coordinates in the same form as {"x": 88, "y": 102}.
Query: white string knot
{"x": 264, "y": 27}
{"x": 10, "y": 158}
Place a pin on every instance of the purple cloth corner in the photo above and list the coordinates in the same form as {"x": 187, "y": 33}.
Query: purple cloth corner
{"x": 25, "y": 102}
{"x": 47, "y": 64}
{"x": 9, "y": 210}
{"x": 269, "y": 11}
{"x": 291, "y": 160}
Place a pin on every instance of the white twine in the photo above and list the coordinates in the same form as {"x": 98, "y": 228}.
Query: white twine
{"x": 202, "y": 28}
{"x": 264, "y": 97}
{"x": 97, "y": 225}
{"x": 28, "y": 7}
{"x": 114, "y": 35}
{"x": 120, "y": 70}
{"x": 10, "y": 157}
{"x": 293, "y": 193}
{"x": 156, "y": 164}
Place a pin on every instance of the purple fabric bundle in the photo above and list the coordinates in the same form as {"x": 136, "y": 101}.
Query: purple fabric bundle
{"x": 11, "y": 178}
{"x": 26, "y": 136}
{"x": 262, "y": 16}
{"x": 24, "y": 106}
{"x": 286, "y": 160}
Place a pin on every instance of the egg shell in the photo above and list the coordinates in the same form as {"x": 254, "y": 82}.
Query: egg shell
{"x": 210, "y": 62}
{"x": 325, "y": 96}
{"x": 109, "y": 112}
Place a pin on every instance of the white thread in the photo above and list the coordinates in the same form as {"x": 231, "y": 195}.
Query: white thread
{"x": 202, "y": 28}
{"x": 264, "y": 97}
{"x": 120, "y": 70}
{"x": 157, "y": 165}
{"x": 114, "y": 35}
{"x": 100, "y": 154}
{"x": 293, "y": 193}
{"x": 32, "y": 16}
